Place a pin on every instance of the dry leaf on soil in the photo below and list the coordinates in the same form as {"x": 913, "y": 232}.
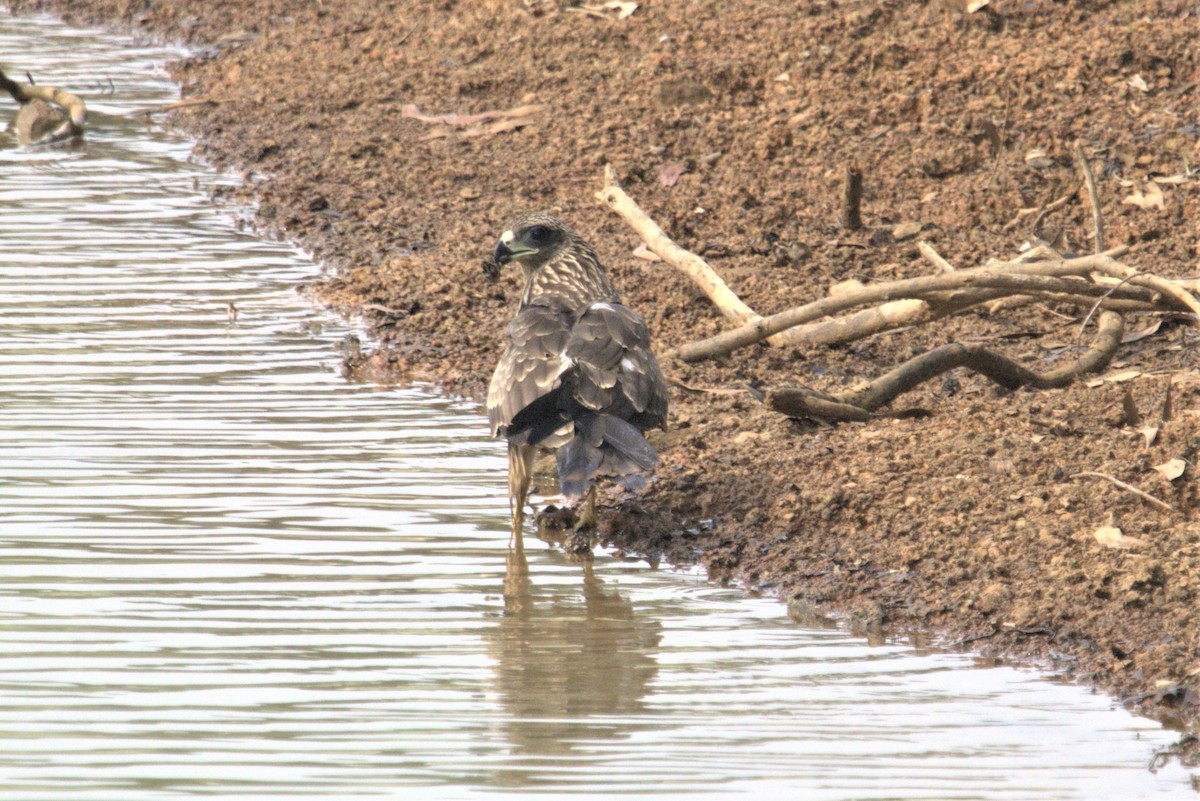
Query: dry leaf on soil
{"x": 668, "y": 174}
{"x": 1148, "y": 197}
{"x": 1113, "y": 537}
{"x": 1150, "y": 433}
{"x": 1172, "y": 469}
{"x": 1149, "y": 330}
{"x": 623, "y": 9}
{"x": 1114, "y": 378}
{"x": 1129, "y": 410}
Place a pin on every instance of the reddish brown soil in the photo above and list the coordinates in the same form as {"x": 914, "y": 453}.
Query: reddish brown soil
{"x": 965, "y": 523}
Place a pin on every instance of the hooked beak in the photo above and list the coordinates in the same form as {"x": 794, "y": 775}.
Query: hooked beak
{"x": 505, "y": 253}
{"x": 502, "y": 255}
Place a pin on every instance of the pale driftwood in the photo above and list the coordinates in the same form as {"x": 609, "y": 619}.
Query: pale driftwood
{"x": 1090, "y": 182}
{"x": 48, "y": 114}
{"x": 886, "y": 317}
{"x": 688, "y": 263}
{"x": 1016, "y": 277}
{"x": 859, "y": 404}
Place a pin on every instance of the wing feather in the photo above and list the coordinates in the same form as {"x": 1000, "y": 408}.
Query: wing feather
{"x": 599, "y": 356}
{"x": 532, "y": 364}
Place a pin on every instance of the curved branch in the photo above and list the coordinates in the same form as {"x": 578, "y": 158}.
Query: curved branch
{"x": 48, "y": 114}
{"x": 858, "y": 404}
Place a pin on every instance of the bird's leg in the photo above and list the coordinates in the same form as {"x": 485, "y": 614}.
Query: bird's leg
{"x": 520, "y": 468}
{"x": 582, "y": 540}
{"x": 587, "y": 511}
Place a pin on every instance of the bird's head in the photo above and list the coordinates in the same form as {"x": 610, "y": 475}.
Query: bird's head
{"x": 531, "y": 241}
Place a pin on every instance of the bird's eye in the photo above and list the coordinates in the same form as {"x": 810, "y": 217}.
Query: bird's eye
{"x": 539, "y": 233}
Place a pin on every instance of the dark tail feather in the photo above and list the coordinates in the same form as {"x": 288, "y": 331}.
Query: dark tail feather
{"x": 604, "y": 446}
{"x": 577, "y": 463}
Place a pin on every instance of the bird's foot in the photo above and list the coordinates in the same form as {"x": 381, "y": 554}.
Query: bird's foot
{"x": 583, "y": 537}
{"x": 587, "y": 512}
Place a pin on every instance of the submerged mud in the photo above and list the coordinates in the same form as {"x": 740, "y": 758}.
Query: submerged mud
{"x": 966, "y": 519}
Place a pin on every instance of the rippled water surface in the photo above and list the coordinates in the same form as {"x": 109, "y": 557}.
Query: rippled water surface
{"x": 225, "y": 571}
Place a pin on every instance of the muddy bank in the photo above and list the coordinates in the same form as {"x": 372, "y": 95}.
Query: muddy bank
{"x": 965, "y": 520}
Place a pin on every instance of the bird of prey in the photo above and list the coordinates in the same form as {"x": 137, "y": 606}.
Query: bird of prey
{"x": 577, "y": 376}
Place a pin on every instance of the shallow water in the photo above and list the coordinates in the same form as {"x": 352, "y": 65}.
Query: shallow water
{"x": 225, "y": 571}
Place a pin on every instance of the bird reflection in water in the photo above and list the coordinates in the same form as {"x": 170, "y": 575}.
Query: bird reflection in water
{"x": 569, "y": 670}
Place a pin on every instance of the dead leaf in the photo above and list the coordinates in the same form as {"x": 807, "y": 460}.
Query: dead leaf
{"x": 1113, "y": 537}
{"x": 1139, "y": 83}
{"x": 1124, "y": 375}
{"x": 976, "y": 5}
{"x": 1148, "y": 197}
{"x": 1143, "y": 333}
{"x": 622, "y": 9}
{"x": 1178, "y": 179}
{"x": 645, "y": 253}
{"x": 1129, "y": 410}
{"x": 668, "y": 174}
{"x": 1150, "y": 433}
{"x": 1172, "y": 469}
{"x": 1038, "y": 158}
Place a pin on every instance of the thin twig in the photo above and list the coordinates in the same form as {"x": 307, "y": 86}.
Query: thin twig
{"x": 1096, "y": 305}
{"x": 1090, "y": 181}
{"x": 1145, "y": 496}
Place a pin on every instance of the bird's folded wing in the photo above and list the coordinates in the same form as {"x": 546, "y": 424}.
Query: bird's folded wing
{"x": 614, "y": 369}
{"x": 533, "y": 363}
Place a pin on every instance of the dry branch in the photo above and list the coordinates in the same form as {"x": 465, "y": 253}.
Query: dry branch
{"x": 1167, "y": 288}
{"x": 688, "y": 263}
{"x": 1037, "y": 276}
{"x": 860, "y": 403}
{"x": 47, "y": 114}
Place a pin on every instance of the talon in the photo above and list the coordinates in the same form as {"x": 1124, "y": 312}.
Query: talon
{"x": 587, "y": 512}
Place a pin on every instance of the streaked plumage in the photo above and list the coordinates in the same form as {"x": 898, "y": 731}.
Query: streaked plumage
{"x": 577, "y": 376}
